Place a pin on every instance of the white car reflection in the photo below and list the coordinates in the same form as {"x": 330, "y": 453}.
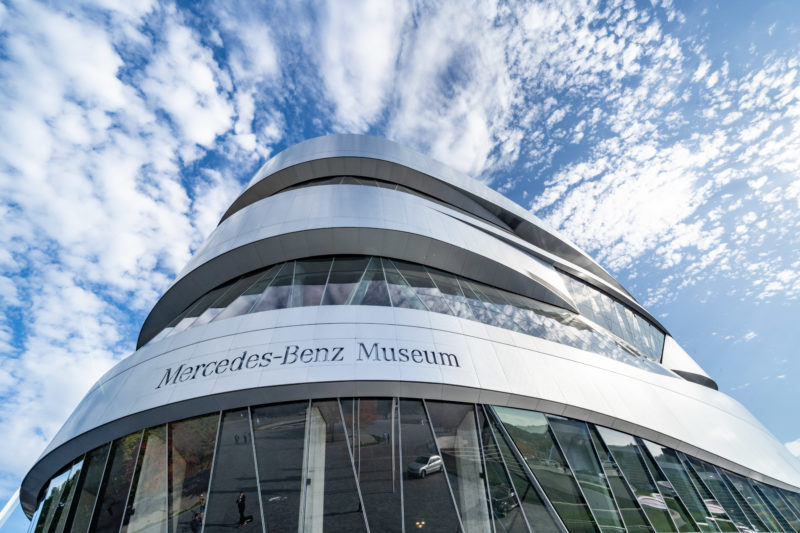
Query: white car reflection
{"x": 424, "y": 465}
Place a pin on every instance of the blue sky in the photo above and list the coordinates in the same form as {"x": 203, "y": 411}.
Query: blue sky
{"x": 663, "y": 138}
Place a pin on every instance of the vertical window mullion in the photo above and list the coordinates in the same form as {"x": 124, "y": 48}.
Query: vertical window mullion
{"x": 622, "y": 478}
{"x": 562, "y": 449}
{"x": 399, "y": 448}
{"x": 353, "y": 465}
{"x": 507, "y": 471}
{"x": 255, "y": 466}
{"x": 211, "y": 473}
{"x": 475, "y": 408}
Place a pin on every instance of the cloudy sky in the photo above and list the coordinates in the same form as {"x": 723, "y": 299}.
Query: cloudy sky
{"x": 662, "y": 138}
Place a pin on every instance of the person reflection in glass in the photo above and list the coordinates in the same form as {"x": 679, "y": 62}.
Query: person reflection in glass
{"x": 240, "y": 503}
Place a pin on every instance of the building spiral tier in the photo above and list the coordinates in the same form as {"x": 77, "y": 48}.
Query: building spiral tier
{"x": 372, "y": 341}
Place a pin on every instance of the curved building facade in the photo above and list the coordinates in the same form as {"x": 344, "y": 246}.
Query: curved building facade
{"x": 372, "y": 341}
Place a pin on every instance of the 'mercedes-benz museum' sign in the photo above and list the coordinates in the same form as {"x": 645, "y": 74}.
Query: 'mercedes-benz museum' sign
{"x": 293, "y": 354}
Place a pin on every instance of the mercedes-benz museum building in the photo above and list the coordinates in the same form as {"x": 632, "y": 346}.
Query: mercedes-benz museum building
{"x": 372, "y": 341}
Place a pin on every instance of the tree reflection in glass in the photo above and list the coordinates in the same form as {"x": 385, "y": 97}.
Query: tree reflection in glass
{"x": 191, "y": 448}
{"x": 146, "y": 511}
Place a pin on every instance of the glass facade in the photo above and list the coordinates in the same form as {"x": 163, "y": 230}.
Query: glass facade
{"x": 397, "y": 464}
{"x": 615, "y": 317}
{"x": 362, "y": 280}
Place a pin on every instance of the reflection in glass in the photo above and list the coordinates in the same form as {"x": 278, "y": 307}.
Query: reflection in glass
{"x": 110, "y": 504}
{"x": 330, "y": 497}
{"x": 147, "y": 503}
{"x": 345, "y": 274}
{"x": 794, "y": 500}
{"x": 776, "y": 505}
{"x": 535, "y": 510}
{"x": 400, "y": 291}
{"x": 626, "y": 454}
{"x": 364, "y": 280}
{"x": 746, "y": 492}
{"x": 457, "y": 440}
{"x": 80, "y": 513}
{"x": 775, "y": 496}
{"x": 233, "y": 476}
{"x": 506, "y": 508}
{"x": 190, "y": 316}
{"x": 279, "y": 292}
{"x": 191, "y": 448}
{"x": 228, "y": 297}
{"x": 709, "y": 476}
{"x": 50, "y": 503}
{"x": 372, "y": 428}
{"x": 679, "y": 480}
{"x": 680, "y": 515}
{"x": 279, "y": 433}
{"x": 427, "y": 501}
{"x": 244, "y": 303}
{"x": 67, "y": 495}
{"x": 310, "y": 277}
{"x": 418, "y": 278}
{"x": 531, "y": 435}
{"x": 721, "y": 519}
{"x": 632, "y": 515}
{"x": 573, "y": 437}
{"x": 372, "y": 290}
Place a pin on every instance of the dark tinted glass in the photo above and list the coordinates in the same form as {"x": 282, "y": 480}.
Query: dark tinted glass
{"x": 191, "y": 449}
{"x": 80, "y": 513}
{"x": 535, "y": 511}
{"x": 279, "y": 432}
{"x": 506, "y": 508}
{"x": 233, "y": 496}
{"x": 427, "y": 501}
{"x": 51, "y": 501}
{"x": 330, "y": 496}
{"x": 345, "y": 274}
{"x": 68, "y": 492}
{"x": 110, "y": 504}
{"x": 372, "y": 427}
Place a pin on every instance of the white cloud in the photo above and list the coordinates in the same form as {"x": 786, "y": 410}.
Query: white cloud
{"x": 359, "y": 44}
{"x": 186, "y": 82}
{"x": 96, "y": 216}
{"x": 794, "y": 447}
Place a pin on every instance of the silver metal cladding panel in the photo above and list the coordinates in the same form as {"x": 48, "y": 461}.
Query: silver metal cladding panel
{"x": 339, "y": 219}
{"x": 326, "y": 152}
{"x": 493, "y": 366}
